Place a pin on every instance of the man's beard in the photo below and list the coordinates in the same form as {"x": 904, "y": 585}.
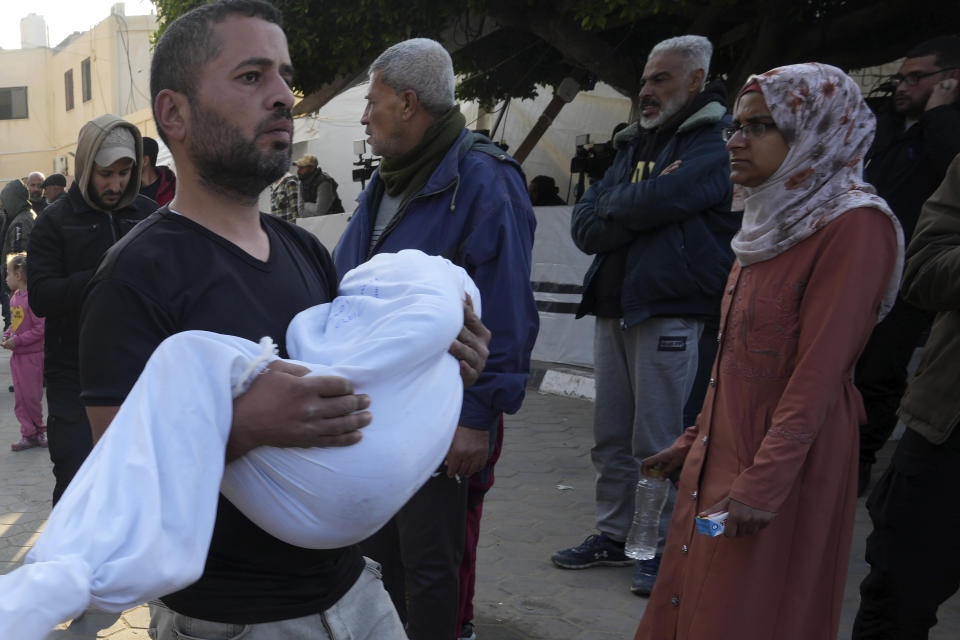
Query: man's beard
{"x": 667, "y": 110}
{"x": 231, "y": 164}
{"x": 100, "y": 205}
{"x": 913, "y": 109}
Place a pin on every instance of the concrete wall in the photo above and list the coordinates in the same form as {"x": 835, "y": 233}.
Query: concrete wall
{"x": 119, "y": 52}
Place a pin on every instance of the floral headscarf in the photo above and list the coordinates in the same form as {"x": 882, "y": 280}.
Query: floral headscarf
{"x": 829, "y": 128}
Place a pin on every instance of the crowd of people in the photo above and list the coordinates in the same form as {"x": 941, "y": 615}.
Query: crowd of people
{"x": 752, "y": 328}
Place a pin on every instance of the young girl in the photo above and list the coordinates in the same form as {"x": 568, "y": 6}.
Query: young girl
{"x": 25, "y": 339}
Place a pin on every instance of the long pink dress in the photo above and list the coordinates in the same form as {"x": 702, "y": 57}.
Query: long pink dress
{"x": 778, "y": 432}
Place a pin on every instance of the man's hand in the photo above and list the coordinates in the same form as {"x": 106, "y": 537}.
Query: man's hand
{"x": 468, "y": 452}
{"x": 471, "y": 346}
{"x": 285, "y": 408}
{"x": 944, "y": 92}
{"x": 742, "y": 520}
{"x": 666, "y": 462}
{"x": 670, "y": 168}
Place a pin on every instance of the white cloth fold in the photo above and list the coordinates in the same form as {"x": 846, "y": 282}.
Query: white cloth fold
{"x": 136, "y": 521}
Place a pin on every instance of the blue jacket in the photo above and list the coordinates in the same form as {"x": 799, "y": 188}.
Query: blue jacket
{"x": 474, "y": 210}
{"x": 678, "y": 226}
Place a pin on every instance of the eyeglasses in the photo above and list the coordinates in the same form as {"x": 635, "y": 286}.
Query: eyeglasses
{"x": 749, "y": 129}
{"x": 914, "y": 77}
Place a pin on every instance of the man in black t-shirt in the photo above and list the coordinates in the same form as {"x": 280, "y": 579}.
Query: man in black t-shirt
{"x": 210, "y": 260}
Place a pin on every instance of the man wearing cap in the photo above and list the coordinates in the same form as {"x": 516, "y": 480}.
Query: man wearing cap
{"x": 54, "y": 188}
{"x": 318, "y": 190}
{"x": 34, "y": 185}
{"x": 101, "y": 206}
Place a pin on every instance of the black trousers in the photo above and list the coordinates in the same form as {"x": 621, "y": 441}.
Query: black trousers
{"x": 68, "y": 430}
{"x": 706, "y": 354}
{"x": 5, "y": 307}
{"x": 420, "y": 551}
{"x": 881, "y": 373}
{"x": 913, "y": 553}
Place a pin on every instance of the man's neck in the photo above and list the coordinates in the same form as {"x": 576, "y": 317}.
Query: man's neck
{"x": 148, "y": 177}
{"x": 229, "y": 217}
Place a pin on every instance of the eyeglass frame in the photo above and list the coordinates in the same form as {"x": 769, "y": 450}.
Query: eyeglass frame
{"x": 914, "y": 77}
{"x": 750, "y": 130}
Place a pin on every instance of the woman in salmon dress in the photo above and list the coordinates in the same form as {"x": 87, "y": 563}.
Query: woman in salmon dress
{"x": 819, "y": 259}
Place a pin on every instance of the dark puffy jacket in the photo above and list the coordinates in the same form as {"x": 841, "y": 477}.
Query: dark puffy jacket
{"x": 475, "y": 210}
{"x": 678, "y": 226}
{"x": 66, "y": 245}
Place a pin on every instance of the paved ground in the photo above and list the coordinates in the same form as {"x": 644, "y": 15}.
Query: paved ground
{"x": 542, "y": 502}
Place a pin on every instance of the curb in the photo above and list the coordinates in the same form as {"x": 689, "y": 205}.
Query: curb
{"x": 571, "y": 382}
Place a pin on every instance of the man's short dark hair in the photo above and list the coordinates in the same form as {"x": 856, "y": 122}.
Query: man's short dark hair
{"x": 188, "y": 43}
{"x": 150, "y": 150}
{"x": 946, "y": 48}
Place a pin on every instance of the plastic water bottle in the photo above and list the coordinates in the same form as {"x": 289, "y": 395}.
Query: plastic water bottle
{"x": 648, "y": 505}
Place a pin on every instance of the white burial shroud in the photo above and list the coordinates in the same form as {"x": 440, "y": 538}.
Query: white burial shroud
{"x": 136, "y": 521}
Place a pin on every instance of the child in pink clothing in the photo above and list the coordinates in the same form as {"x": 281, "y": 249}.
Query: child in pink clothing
{"x": 25, "y": 339}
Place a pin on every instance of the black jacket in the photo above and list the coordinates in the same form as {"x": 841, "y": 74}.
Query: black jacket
{"x": 65, "y": 248}
{"x": 676, "y": 227}
{"x": 906, "y": 167}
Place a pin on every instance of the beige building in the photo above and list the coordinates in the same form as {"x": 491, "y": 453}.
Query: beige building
{"x": 47, "y": 94}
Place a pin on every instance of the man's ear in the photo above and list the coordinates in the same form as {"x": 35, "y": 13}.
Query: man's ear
{"x": 172, "y": 111}
{"x": 409, "y": 103}
{"x": 696, "y": 80}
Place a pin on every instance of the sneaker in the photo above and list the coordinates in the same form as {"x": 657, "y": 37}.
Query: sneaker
{"x": 595, "y": 551}
{"x": 644, "y": 576}
{"x": 467, "y": 632}
{"x": 25, "y": 443}
{"x": 41, "y": 439}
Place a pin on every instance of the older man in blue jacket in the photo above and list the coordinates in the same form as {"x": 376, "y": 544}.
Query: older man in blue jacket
{"x": 659, "y": 224}
{"x": 449, "y": 192}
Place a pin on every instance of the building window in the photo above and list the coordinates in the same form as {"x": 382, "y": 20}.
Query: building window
{"x": 68, "y": 88}
{"x": 13, "y": 103}
{"x": 85, "y": 86}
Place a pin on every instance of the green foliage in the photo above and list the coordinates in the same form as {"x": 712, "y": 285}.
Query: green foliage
{"x": 543, "y": 40}
{"x": 328, "y": 38}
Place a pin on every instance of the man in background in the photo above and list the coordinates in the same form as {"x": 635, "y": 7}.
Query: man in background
{"x": 544, "y": 192}
{"x": 34, "y": 185}
{"x": 54, "y": 187}
{"x": 156, "y": 182}
{"x": 285, "y": 198}
{"x": 445, "y": 191}
{"x": 318, "y": 190}
{"x": 915, "y": 142}
{"x": 67, "y": 242}
{"x": 659, "y": 225}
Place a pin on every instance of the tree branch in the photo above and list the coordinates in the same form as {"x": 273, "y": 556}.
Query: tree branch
{"x": 581, "y": 48}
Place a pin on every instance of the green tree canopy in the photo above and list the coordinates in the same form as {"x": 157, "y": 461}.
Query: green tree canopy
{"x": 507, "y": 48}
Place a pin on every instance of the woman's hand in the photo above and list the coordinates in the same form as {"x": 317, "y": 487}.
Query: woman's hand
{"x": 664, "y": 463}
{"x": 742, "y": 520}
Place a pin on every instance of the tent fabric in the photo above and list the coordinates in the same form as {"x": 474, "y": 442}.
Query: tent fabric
{"x": 136, "y": 521}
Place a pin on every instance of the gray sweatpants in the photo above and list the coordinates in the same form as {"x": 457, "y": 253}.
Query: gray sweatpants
{"x": 643, "y": 377}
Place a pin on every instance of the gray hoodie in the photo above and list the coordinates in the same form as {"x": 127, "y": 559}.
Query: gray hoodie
{"x": 91, "y": 137}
